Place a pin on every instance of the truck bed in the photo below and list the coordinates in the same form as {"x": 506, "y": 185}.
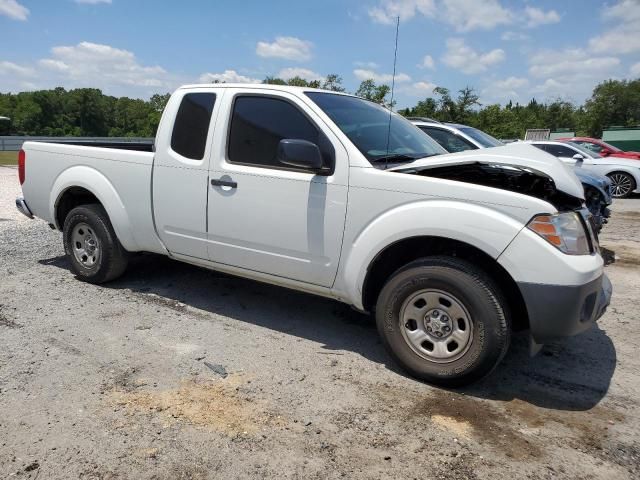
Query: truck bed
{"x": 119, "y": 177}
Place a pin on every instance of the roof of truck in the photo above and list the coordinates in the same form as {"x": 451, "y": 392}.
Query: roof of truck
{"x": 261, "y": 86}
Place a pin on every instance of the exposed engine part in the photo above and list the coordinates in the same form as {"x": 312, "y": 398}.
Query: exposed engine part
{"x": 522, "y": 180}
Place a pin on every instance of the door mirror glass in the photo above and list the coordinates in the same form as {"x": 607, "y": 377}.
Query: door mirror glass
{"x": 300, "y": 154}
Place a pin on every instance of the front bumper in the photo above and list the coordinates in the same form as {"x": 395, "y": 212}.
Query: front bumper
{"x": 23, "y": 208}
{"x": 559, "y": 311}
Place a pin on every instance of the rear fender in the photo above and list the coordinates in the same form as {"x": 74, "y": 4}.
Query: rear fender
{"x": 96, "y": 183}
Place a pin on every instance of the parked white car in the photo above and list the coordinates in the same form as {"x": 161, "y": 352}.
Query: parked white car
{"x": 623, "y": 172}
{"x": 455, "y": 137}
{"x": 288, "y": 186}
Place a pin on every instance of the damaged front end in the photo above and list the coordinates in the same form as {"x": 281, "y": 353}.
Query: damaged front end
{"x": 523, "y": 180}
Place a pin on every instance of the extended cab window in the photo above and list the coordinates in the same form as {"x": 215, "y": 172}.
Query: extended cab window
{"x": 259, "y": 123}
{"x": 190, "y": 129}
{"x": 450, "y": 141}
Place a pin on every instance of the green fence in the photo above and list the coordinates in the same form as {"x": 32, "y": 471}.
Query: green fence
{"x": 627, "y": 139}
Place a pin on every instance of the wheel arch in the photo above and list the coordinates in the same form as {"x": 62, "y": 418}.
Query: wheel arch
{"x": 82, "y": 185}
{"x": 402, "y": 252}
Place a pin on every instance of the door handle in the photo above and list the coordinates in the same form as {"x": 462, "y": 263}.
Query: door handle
{"x": 223, "y": 183}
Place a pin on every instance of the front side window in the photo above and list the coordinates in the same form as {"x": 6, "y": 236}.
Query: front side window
{"x": 258, "y": 123}
{"x": 189, "y": 136}
{"x": 380, "y": 136}
{"x": 594, "y": 147}
{"x": 587, "y": 153}
{"x": 449, "y": 141}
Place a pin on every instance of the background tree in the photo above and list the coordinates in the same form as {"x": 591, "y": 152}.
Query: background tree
{"x": 89, "y": 112}
{"x": 376, "y": 93}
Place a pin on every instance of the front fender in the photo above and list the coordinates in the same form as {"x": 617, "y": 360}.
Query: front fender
{"x": 96, "y": 183}
{"x": 476, "y": 225}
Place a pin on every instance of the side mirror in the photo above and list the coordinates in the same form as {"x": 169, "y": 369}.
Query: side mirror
{"x": 605, "y": 151}
{"x": 300, "y": 154}
{"x": 578, "y": 157}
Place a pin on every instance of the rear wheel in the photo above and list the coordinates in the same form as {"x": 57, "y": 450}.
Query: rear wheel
{"x": 91, "y": 244}
{"x": 622, "y": 184}
{"x": 443, "y": 320}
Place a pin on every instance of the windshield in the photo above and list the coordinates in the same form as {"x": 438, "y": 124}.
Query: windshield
{"x": 610, "y": 147}
{"x": 586, "y": 151}
{"x": 481, "y": 137}
{"x": 367, "y": 126}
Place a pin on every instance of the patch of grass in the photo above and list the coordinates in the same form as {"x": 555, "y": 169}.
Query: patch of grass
{"x": 8, "y": 158}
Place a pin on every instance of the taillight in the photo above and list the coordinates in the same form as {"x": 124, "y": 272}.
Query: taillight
{"x": 21, "y": 160}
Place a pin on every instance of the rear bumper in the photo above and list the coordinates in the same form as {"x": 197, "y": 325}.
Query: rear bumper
{"x": 23, "y": 208}
{"x": 559, "y": 311}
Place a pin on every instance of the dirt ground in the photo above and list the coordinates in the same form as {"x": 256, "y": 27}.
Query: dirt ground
{"x": 175, "y": 372}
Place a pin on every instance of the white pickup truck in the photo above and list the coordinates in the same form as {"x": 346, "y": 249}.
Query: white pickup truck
{"x": 334, "y": 195}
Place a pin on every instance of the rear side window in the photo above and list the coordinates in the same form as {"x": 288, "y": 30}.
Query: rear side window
{"x": 191, "y": 127}
{"x": 259, "y": 123}
{"x": 449, "y": 141}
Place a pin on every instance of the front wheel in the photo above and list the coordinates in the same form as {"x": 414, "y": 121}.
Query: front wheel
{"x": 443, "y": 321}
{"x": 622, "y": 184}
{"x": 91, "y": 244}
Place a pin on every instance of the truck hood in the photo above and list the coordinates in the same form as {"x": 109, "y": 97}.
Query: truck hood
{"x": 515, "y": 157}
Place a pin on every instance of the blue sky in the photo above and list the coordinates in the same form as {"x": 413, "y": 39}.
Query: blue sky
{"x": 505, "y": 49}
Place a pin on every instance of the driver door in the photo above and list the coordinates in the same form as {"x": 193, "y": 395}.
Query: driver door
{"x": 269, "y": 217}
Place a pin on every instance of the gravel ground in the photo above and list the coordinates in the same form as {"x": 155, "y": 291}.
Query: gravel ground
{"x": 175, "y": 372}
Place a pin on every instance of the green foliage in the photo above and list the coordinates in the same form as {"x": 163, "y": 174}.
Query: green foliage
{"x": 81, "y": 112}
{"x": 331, "y": 82}
{"x": 376, "y": 93}
{"x": 88, "y": 112}
{"x": 612, "y": 103}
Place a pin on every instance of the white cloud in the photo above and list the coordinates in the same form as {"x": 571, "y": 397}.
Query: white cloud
{"x": 464, "y": 58}
{"x": 93, "y": 64}
{"x": 506, "y": 89}
{"x": 363, "y": 74}
{"x": 510, "y": 36}
{"x": 468, "y": 15}
{"x": 52, "y": 64}
{"x": 420, "y": 89}
{"x": 290, "y": 48}
{"x": 228, "y": 76}
{"x": 634, "y": 71}
{"x": 462, "y": 15}
{"x": 537, "y": 16}
{"x": 93, "y": 2}
{"x": 424, "y": 86}
{"x": 624, "y": 36}
{"x": 569, "y": 62}
{"x": 13, "y": 10}
{"x": 427, "y": 62}
{"x": 369, "y": 65}
{"x": 570, "y": 72}
{"x": 624, "y": 10}
{"x": 287, "y": 73}
{"x": 9, "y": 68}
{"x": 388, "y": 10}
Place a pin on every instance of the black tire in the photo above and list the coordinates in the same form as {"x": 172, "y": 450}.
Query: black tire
{"x": 112, "y": 259}
{"x": 475, "y": 291}
{"x": 623, "y": 184}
